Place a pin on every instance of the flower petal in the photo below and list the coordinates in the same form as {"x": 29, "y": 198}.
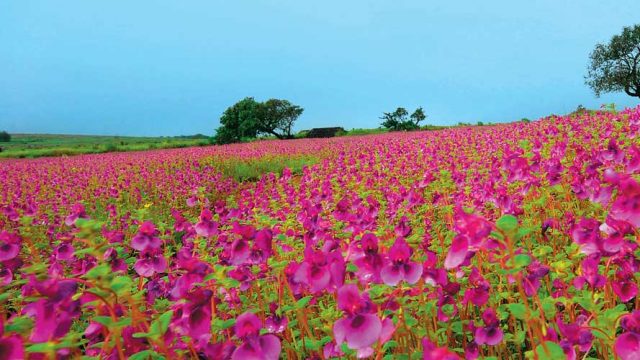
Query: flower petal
{"x": 457, "y": 252}
{"x": 363, "y": 331}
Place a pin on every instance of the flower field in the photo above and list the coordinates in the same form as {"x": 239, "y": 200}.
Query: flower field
{"x": 515, "y": 241}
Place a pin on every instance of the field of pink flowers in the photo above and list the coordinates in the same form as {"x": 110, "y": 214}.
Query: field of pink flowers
{"x": 514, "y": 241}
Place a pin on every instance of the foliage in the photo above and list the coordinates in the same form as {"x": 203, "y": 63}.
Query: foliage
{"x": 397, "y": 120}
{"x": 248, "y": 118}
{"x": 239, "y": 121}
{"x": 5, "y": 136}
{"x": 276, "y": 117}
{"x": 44, "y": 145}
{"x": 615, "y": 66}
{"x": 253, "y": 169}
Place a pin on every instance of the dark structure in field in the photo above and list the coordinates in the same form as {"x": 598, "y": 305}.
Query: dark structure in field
{"x": 324, "y": 132}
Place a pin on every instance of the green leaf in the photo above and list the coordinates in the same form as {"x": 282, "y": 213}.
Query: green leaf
{"x": 104, "y": 320}
{"x": 223, "y": 324}
{"x": 164, "y": 321}
{"x": 142, "y": 355}
{"x": 554, "y": 351}
{"x": 41, "y": 347}
{"x": 303, "y": 302}
{"x": 121, "y": 284}
{"x": 19, "y": 325}
{"x": 99, "y": 271}
{"x": 522, "y": 260}
{"x": 311, "y": 344}
{"x": 507, "y": 223}
{"x": 519, "y": 311}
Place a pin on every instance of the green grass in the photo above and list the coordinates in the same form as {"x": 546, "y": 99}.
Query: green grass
{"x": 40, "y": 145}
{"x": 254, "y": 169}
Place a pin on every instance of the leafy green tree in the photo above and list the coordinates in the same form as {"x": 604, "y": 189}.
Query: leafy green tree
{"x": 398, "y": 119}
{"x": 395, "y": 120}
{"x": 417, "y": 117}
{"x": 4, "y": 136}
{"x": 276, "y": 117}
{"x": 615, "y": 66}
{"x": 238, "y": 121}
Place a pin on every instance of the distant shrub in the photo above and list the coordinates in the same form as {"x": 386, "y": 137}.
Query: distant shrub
{"x": 301, "y": 134}
{"x": 5, "y": 136}
{"x": 525, "y": 120}
{"x": 110, "y": 147}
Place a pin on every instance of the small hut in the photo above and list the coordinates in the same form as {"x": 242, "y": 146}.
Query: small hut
{"x": 324, "y": 132}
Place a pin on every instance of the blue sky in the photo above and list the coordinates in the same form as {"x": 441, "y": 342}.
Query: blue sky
{"x": 153, "y": 67}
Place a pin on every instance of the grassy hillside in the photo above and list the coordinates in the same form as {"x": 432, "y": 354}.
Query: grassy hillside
{"x": 39, "y": 145}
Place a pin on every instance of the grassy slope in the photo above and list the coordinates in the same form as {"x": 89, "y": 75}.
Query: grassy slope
{"x": 38, "y": 145}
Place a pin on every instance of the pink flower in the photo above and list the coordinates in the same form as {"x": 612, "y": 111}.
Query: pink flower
{"x": 398, "y": 267}
{"x": 431, "y": 352}
{"x": 146, "y": 238}
{"x": 9, "y": 246}
{"x": 359, "y": 328}
{"x": 254, "y": 346}
{"x": 11, "y": 347}
{"x": 627, "y": 345}
{"x": 206, "y": 227}
{"x": 490, "y": 334}
{"x": 626, "y": 207}
{"x": 472, "y": 232}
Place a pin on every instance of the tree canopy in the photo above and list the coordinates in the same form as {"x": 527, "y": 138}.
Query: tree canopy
{"x": 249, "y": 118}
{"x": 615, "y": 66}
{"x": 398, "y": 119}
{"x": 5, "y": 136}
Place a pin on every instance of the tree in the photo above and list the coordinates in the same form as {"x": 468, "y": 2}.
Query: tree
{"x": 398, "y": 120}
{"x": 248, "y": 118}
{"x": 238, "y": 121}
{"x": 276, "y": 117}
{"x": 4, "y": 136}
{"x": 616, "y": 66}
{"x": 417, "y": 117}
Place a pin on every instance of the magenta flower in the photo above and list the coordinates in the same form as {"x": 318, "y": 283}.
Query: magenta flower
{"x": 627, "y": 345}
{"x": 206, "y": 227}
{"x": 254, "y": 346}
{"x": 360, "y": 327}
{"x": 368, "y": 259}
{"x": 478, "y": 291}
{"x": 11, "y": 347}
{"x": 146, "y": 239}
{"x": 150, "y": 263}
{"x": 490, "y": 334}
{"x": 587, "y": 233}
{"x": 624, "y": 285}
{"x": 321, "y": 271}
{"x": 432, "y": 352}
{"x": 193, "y": 316}
{"x": 472, "y": 233}
{"x": 9, "y": 246}
{"x": 275, "y": 323}
{"x": 590, "y": 274}
{"x": 575, "y": 334}
{"x": 531, "y": 282}
{"x": 627, "y": 205}
{"x": 77, "y": 212}
{"x": 398, "y": 266}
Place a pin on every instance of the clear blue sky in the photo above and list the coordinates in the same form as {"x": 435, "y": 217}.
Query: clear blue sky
{"x": 158, "y": 67}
